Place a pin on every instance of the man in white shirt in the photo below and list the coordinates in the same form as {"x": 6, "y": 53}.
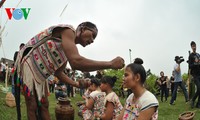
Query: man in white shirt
{"x": 178, "y": 81}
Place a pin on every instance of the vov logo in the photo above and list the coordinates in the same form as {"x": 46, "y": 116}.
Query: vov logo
{"x": 17, "y": 13}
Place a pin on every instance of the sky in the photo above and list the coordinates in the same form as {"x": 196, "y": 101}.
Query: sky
{"x": 154, "y": 30}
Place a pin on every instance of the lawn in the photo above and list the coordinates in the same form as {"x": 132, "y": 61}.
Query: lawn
{"x": 166, "y": 112}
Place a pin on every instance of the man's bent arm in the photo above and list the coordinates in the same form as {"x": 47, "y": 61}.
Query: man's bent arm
{"x": 63, "y": 77}
{"x": 178, "y": 69}
{"x": 77, "y": 61}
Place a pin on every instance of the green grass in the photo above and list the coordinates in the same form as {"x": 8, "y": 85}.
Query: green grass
{"x": 171, "y": 112}
{"x": 166, "y": 112}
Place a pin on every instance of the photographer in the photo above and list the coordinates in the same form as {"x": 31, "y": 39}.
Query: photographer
{"x": 194, "y": 66}
{"x": 178, "y": 80}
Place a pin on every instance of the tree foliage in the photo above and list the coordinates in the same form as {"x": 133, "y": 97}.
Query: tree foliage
{"x": 185, "y": 77}
{"x": 150, "y": 83}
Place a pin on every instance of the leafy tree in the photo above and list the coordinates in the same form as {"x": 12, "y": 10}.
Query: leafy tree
{"x": 185, "y": 77}
{"x": 150, "y": 83}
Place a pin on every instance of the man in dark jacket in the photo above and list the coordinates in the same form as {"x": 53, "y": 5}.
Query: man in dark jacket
{"x": 194, "y": 65}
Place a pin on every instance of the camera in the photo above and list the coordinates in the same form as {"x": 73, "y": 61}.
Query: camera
{"x": 179, "y": 59}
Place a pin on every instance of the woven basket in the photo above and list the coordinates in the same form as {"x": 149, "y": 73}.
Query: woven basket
{"x": 10, "y": 100}
{"x": 188, "y": 115}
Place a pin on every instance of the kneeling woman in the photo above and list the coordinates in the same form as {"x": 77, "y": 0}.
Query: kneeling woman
{"x": 95, "y": 102}
{"x": 141, "y": 104}
{"x": 113, "y": 106}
